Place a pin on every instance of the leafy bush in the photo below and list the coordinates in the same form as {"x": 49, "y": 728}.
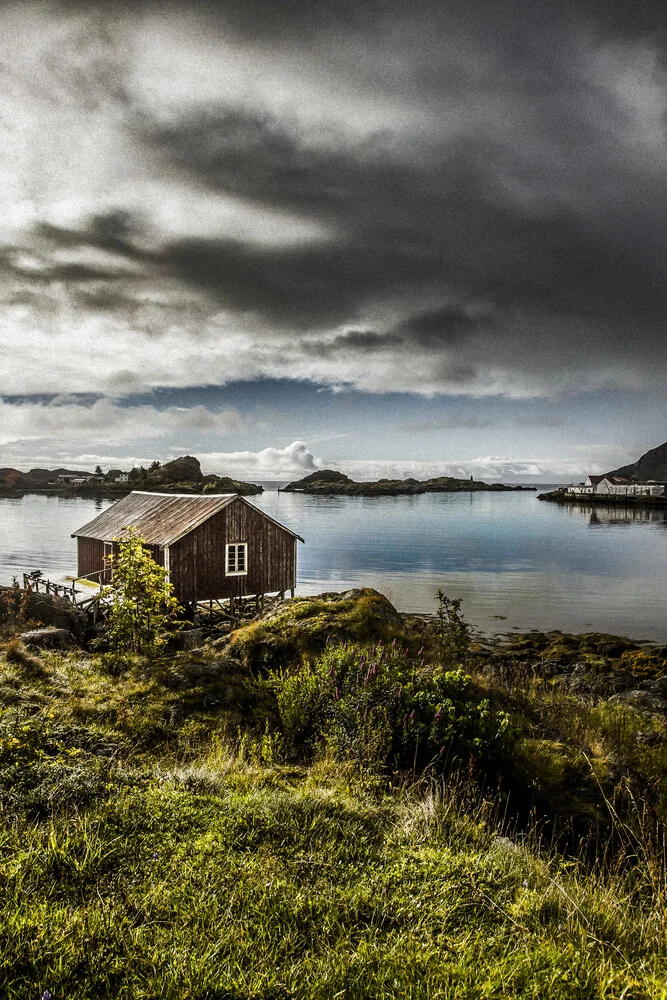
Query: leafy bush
{"x": 454, "y": 633}
{"x": 383, "y": 708}
{"x": 140, "y": 600}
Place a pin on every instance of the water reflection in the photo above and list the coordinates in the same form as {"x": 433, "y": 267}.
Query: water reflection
{"x": 598, "y": 515}
{"x": 536, "y": 564}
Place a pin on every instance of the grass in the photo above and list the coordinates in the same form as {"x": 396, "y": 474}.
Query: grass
{"x": 157, "y": 842}
{"x": 225, "y": 879}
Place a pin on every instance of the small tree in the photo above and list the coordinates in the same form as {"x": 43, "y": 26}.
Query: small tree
{"x": 140, "y": 598}
{"x": 98, "y": 470}
{"x": 454, "y": 633}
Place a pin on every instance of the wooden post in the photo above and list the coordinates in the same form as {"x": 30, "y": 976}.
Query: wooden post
{"x": 292, "y": 592}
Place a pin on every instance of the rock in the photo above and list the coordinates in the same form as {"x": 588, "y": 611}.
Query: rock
{"x": 180, "y": 470}
{"x": 304, "y": 625}
{"x": 650, "y": 738}
{"x": 189, "y": 639}
{"x": 643, "y": 701}
{"x": 656, "y": 686}
{"x": 47, "y": 638}
{"x": 47, "y": 609}
{"x": 615, "y": 649}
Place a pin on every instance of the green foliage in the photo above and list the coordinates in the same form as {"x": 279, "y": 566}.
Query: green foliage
{"x": 140, "y": 600}
{"x": 148, "y": 851}
{"x": 454, "y": 633}
{"x": 383, "y": 708}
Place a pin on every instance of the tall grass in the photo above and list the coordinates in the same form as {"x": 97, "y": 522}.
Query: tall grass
{"x": 161, "y": 837}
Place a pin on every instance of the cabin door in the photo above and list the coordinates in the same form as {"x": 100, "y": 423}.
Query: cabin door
{"x": 108, "y": 552}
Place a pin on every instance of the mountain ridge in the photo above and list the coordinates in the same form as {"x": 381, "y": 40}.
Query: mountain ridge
{"x": 651, "y": 465}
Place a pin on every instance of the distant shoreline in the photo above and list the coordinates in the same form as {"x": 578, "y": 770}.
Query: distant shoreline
{"x": 602, "y": 500}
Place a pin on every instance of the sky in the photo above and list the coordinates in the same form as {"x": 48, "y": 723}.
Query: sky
{"x": 393, "y": 239}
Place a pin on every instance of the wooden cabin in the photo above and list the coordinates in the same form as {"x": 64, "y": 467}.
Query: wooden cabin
{"x": 213, "y": 546}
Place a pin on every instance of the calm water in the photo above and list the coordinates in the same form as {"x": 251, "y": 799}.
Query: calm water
{"x": 516, "y": 562}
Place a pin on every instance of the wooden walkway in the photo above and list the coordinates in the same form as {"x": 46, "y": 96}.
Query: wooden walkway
{"x": 212, "y": 614}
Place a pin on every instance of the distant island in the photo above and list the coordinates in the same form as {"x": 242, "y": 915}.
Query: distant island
{"x": 182, "y": 475}
{"x": 328, "y": 482}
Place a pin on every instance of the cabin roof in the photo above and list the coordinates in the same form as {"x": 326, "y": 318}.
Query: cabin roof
{"x": 161, "y": 518}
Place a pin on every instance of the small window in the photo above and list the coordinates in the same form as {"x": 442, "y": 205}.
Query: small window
{"x": 237, "y": 559}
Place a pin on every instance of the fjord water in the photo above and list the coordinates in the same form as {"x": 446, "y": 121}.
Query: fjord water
{"x": 515, "y": 561}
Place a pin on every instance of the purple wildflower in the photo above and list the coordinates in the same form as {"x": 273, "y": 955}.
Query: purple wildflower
{"x": 46, "y": 995}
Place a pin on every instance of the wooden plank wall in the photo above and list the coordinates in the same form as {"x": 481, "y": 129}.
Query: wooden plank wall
{"x": 197, "y": 561}
{"x": 90, "y": 556}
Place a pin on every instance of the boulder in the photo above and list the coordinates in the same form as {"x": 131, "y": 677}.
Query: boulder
{"x": 304, "y": 625}
{"x": 46, "y": 609}
{"x": 47, "y": 638}
{"x": 186, "y": 639}
{"x": 643, "y": 701}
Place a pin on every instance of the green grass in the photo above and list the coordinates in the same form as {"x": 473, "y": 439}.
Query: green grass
{"x": 156, "y": 843}
{"x": 222, "y": 879}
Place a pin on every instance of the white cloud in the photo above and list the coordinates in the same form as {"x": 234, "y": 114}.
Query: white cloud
{"x": 105, "y": 421}
{"x": 290, "y": 462}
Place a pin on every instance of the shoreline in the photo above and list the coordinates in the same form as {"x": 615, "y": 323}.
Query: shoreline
{"x": 603, "y": 500}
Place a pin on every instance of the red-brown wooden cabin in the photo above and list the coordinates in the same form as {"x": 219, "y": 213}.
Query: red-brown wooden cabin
{"x": 213, "y": 546}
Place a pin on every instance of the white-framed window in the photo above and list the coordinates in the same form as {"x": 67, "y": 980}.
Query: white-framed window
{"x": 236, "y": 559}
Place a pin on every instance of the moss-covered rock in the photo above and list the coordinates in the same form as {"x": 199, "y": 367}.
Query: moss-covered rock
{"x": 302, "y": 626}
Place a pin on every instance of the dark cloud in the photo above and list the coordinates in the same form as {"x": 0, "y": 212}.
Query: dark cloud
{"x": 439, "y": 327}
{"x": 116, "y": 231}
{"x": 582, "y": 240}
{"x": 521, "y": 210}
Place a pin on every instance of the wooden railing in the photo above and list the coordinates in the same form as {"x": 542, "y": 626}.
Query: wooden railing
{"x": 39, "y": 584}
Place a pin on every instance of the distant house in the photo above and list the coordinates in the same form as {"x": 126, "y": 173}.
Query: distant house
{"x": 616, "y": 486}
{"x": 213, "y": 546}
{"x": 78, "y": 479}
{"x": 122, "y": 477}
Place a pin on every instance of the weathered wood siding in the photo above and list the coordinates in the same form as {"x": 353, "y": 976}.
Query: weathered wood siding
{"x": 197, "y": 561}
{"x": 90, "y": 556}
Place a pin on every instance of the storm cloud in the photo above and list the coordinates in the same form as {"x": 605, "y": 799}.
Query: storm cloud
{"x": 436, "y": 199}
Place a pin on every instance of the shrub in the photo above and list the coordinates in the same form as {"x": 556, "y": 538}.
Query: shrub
{"x": 140, "y": 599}
{"x": 382, "y": 708}
{"x": 454, "y": 633}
